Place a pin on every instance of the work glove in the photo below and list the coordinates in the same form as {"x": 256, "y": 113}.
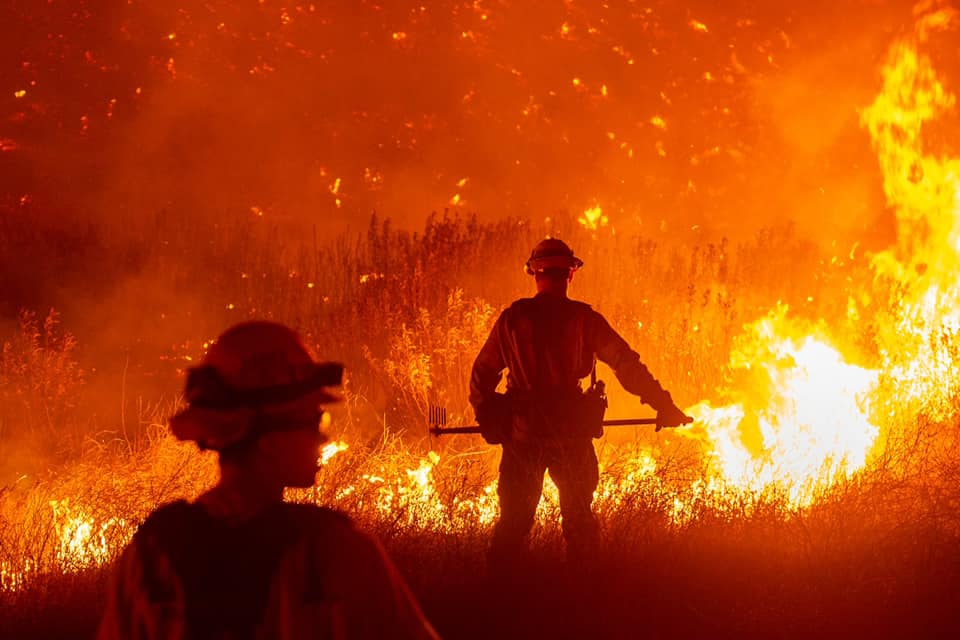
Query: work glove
{"x": 672, "y": 416}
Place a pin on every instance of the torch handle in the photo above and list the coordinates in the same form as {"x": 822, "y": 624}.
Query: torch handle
{"x": 628, "y": 422}
{"x": 445, "y": 431}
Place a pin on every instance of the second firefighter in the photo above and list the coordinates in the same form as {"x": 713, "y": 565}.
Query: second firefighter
{"x": 548, "y": 343}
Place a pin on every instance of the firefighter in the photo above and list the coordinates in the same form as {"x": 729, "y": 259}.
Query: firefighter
{"x": 239, "y": 562}
{"x": 547, "y": 344}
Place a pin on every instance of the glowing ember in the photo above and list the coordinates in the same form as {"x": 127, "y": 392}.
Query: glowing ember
{"x": 593, "y": 218}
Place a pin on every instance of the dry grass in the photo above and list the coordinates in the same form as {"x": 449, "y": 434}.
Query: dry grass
{"x": 875, "y": 555}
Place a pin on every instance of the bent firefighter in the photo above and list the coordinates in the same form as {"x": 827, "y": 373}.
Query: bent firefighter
{"x": 548, "y": 343}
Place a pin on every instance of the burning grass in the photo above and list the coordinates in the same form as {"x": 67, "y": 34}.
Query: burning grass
{"x": 784, "y": 542}
{"x": 817, "y": 493}
{"x": 730, "y": 528}
{"x": 690, "y": 557}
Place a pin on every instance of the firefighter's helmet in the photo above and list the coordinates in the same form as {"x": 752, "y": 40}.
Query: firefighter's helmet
{"x": 256, "y": 377}
{"x": 552, "y": 253}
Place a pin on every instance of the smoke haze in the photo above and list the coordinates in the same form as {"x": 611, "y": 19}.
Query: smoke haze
{"x": 141, "y": 139}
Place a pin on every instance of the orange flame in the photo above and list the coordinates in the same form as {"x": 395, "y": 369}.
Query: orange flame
{"x": 798, "y": 414}
{"x": 799, "y": 419}
{"x": 924, "y": 190}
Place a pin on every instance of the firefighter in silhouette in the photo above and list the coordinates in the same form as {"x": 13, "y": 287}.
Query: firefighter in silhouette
{"x": 547, "y": 344}
{"x": 239, "y": 562}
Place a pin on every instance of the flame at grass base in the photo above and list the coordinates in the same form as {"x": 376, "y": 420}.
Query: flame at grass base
{"x": 798, "y": 420}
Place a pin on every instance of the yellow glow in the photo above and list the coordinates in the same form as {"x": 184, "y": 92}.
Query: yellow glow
{"x": 798, "y": 419}
{"x": 593, "y": 218}
{"x": 331, "y": 449}
{"x": 924, "y": 191}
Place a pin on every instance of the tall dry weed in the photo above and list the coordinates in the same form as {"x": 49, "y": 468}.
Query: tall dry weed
{"x": 41, "y": 380}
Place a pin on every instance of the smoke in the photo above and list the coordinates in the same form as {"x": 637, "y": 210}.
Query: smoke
{"x": 144, "y": 137}
{"x": 678, "y": 115}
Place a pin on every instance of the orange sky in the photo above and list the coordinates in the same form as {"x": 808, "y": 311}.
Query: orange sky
{"x": 671, "y": 116}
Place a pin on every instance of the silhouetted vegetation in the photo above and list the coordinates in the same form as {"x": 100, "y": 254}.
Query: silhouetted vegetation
{"x": 876, "y": 555}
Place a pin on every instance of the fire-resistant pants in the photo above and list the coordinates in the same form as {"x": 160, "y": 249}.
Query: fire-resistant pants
{"x": 573, "y": 466}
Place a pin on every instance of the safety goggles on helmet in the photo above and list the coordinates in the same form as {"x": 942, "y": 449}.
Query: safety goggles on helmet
{"x": 255, "y": 378}
{"x": 206, "y": 388}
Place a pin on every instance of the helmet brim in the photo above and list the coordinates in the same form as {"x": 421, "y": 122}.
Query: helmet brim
{"x": 219, "y": 428}
{"x": 536, "y": 265}
{"x": 219, "y": 414}
{"x": 206, "y": 387}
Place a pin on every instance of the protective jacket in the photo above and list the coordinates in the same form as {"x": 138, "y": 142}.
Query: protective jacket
{"x": 549, "y": 343}
{"x": 292, "y": 571}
